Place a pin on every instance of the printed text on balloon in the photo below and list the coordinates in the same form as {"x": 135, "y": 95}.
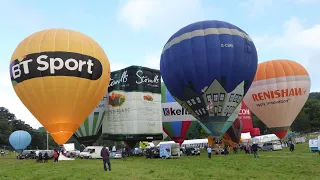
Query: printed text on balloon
{"x": 55, "y": 64}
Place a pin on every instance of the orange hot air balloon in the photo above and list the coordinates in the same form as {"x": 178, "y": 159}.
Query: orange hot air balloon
{"x": 60, "y": 75}
{"x": 279, "y": 91}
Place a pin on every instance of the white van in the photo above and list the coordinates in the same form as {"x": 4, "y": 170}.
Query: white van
{"x": 91, "y": 152}
{"x": 272, "y": 146}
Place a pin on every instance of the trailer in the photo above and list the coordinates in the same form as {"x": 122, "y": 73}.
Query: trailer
{"x": 169, "y": 150}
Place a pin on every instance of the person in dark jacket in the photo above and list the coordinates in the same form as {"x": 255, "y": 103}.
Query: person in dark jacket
{"x": 254, "y": 148}
{"x": 105, "y": 157}
{"x": 40, "y": 157}
{"x": 46, "y": 157}
{"x": 292, "y": 146}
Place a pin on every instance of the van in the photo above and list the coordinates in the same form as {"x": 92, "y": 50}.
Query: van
{"x": 271, "y": 146}
{"x": 91, "y": 152}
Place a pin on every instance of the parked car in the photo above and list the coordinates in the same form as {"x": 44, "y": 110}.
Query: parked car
{"x": 271, "y": 146}
{"x": 196, "y": 151}
{"x": 137, "y": 152}
{"x": 117, "y": 155}
{"x": 192, "y": 151}
{"x": 50, "y": 153}
{"x": 152, "y": 152}
{"x": 27, "y": 154}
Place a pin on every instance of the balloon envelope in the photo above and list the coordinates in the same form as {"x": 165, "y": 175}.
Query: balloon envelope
{"x": 156, "y": 142}
{"x": 234, "y": 132}
{"x": 134, "y": 106}
{"x": 60, "y": 75}
{"x": 278, "y": 93}
{"x": 176, "y": 121}
{"x": 246, "y": 118}
{"x": 255, "y": 132}
{"x": 19, "y": 140}
{"x": 208, "y": 67}
{"x": 91, "y": 129}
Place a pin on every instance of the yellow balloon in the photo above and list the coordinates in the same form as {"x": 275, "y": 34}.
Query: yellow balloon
{"x": 60, "y": 75}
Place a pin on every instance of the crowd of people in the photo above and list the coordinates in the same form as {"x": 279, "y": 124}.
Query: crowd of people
{"x": 249, "y": 149}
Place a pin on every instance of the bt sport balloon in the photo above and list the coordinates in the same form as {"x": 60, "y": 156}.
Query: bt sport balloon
{"x": 208, "y": 67}
{"x": 60, "y": 75}
{"x": 279, "y": 91}
{"x": 19, "y": 140}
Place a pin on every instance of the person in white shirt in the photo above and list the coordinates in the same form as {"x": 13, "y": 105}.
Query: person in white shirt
{"x": 37, "y": 156}
{"x": 209, "y": 150}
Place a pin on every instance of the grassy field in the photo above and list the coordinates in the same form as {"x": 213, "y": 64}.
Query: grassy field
{"x": 301, "y": 164}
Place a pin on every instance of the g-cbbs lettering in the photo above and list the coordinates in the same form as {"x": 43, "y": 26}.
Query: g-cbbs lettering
{"x": 56, "y": 64}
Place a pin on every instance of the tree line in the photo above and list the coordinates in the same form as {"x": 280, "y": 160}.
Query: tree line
{"x": 308, "y": 120}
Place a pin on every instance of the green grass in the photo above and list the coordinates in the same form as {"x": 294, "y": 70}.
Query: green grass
{"x": 301, "y": 165}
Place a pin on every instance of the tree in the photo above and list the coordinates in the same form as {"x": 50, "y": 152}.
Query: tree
{"x": 301, "y": 123}
{"x": 5, "y": 125}
{"x": 257, "y": 123}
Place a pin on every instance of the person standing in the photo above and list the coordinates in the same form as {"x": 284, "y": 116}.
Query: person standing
{"x": 105, "y": 157}
{"x": 46, "y": 157}
{"x": 55, "y": 156}
{"x": 254, "y": 148}
{"x": 37, "y": 155}
{"x": 123, "y": 153}
{"x": 292, "y": 146}
{"x": 209, "y": 150}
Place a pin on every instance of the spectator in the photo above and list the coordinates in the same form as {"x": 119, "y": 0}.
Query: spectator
{"x": 105, "y": 157}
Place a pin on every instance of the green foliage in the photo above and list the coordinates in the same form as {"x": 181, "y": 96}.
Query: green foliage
{"x": 9, "y": 124}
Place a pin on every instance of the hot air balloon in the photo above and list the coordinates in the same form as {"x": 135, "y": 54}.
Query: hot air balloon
{"x": 208, "y": 67}
{"x": 255, "y": 132}
{"x": 156, "y": 142}
{"x": 246, "y": 118}
{"x": 234, "y": 132}
{"x": 278, "y": 93}
{"x": 19, "y": 140}
{"x": 91, "y": 129}
{"x": 134, "y": 106}
{"x": 176, "y": 121}
{"x": 232, "y": 136}
{"x": 60, "y": 75}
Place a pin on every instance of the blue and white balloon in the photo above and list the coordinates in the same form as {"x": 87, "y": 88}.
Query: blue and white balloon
{"x": 208, "y": 67}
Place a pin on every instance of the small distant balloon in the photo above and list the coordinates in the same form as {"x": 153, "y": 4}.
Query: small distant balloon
{"x": 19, "y": 140}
